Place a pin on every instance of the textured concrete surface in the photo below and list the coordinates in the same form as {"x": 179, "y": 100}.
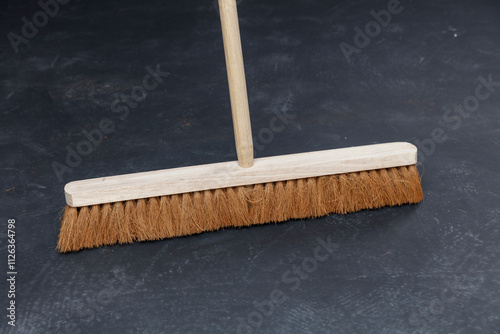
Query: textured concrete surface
{"x": 429, "y": 268}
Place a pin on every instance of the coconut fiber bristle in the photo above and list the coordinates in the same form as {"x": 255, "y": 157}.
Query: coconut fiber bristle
{"x": 191, "y": 213}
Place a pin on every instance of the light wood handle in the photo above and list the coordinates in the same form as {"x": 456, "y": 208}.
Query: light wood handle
{"x": 237, "y": 83}
{"x": 229, "y": 174}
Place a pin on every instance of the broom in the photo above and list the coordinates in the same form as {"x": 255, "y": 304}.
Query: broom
{"x": 190, "y": 200}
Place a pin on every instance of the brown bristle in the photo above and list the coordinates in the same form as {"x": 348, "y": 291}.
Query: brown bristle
{"x": 192, "y": 213}
{"x": 142, "y": 228}
{"x": 187, "y": 226}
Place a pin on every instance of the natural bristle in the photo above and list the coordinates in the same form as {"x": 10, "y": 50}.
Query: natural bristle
{"x": 192, "y": 213}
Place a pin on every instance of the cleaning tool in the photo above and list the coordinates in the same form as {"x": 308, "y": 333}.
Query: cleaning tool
{"x": 190, "y": 200}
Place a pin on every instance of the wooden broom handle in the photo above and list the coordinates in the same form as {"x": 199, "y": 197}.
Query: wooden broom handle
{"x": 237, "y": 83}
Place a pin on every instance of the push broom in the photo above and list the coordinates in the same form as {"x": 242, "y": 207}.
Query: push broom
{"x": 190, "y": 200}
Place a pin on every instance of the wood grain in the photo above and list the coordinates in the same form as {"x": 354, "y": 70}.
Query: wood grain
{"x": 230, "y": 174}
{"x": 237, "y": 82}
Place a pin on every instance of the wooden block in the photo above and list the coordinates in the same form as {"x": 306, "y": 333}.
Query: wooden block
{"x": 230, "y": 174}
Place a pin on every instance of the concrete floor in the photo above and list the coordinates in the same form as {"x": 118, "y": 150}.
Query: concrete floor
{"x": 430, "y": 76}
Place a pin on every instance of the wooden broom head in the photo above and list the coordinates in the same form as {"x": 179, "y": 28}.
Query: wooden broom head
{"x": 193, "y": 212}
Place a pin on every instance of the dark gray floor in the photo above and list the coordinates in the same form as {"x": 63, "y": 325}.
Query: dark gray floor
{"x": 429, "y": 268}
